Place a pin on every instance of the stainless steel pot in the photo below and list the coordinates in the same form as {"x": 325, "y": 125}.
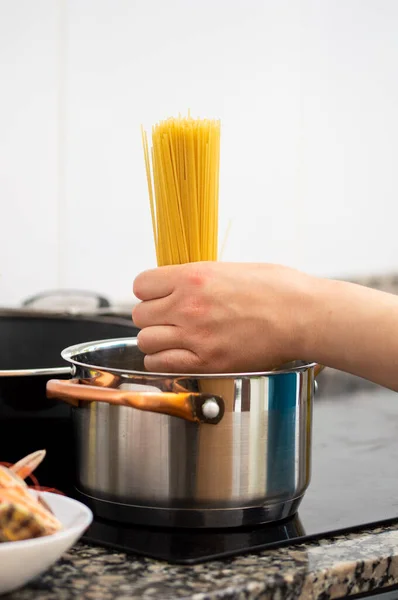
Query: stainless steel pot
{"x": 187, "y": 450}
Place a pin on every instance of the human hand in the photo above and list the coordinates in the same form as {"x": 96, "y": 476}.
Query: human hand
{"x": 214, "y": 317}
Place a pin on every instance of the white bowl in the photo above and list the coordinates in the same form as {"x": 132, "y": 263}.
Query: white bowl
{"x": 22, "y": 561}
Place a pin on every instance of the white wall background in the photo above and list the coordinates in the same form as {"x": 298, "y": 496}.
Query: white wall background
{"x": 307, "y": 93}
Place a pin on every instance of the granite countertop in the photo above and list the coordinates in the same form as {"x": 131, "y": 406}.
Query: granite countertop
{"x": 333, "y": 567}
{"x": 329, "y": 568}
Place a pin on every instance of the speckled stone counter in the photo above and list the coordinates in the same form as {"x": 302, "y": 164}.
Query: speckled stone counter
{"x": 334, "y": 568}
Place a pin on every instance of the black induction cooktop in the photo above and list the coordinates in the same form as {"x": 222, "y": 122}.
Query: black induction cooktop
{"x": 354, "y": 485}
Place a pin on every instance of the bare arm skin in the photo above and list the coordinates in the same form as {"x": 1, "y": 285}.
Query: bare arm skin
{"x": 231, "y": 317}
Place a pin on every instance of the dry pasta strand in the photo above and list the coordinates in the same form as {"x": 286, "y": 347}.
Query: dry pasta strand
{"x": 183, "y": 188}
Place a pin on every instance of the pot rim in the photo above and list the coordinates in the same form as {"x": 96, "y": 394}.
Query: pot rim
{"x": 71, "y": 351}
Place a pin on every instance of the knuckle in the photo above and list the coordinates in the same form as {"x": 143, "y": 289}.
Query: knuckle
{"x": 195, "y": 309}
{"x": 204, "y": 333}
{"x": 192, "y": 310}
{"x": 197, "y": 274}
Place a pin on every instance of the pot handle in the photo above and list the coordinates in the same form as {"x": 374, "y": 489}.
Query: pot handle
{"x": 36, "y": 372}
{"x": 198, "y": 408}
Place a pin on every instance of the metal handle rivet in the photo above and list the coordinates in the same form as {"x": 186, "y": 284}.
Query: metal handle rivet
{"x": 210, "y": 409}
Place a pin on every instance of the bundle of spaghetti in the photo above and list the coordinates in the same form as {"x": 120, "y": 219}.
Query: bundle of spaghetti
{"x": 182, "y": 169}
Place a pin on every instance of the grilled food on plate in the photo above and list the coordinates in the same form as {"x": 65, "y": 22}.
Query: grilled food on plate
{"x": 23, "y": 512}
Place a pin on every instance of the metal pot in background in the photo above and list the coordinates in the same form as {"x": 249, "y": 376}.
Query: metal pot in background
{"x": 31, "y": 343}
{"x": 183, "y": 450}
{"x": 77, "y": 302}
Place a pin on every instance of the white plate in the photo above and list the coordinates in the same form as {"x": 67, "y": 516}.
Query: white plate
{"x": 22, "y": 561}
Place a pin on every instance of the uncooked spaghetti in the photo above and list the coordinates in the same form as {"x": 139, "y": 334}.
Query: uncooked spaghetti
{"x": 183, "y": 186}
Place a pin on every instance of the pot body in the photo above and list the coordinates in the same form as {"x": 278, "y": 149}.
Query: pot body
{"x": 253, "y": 466}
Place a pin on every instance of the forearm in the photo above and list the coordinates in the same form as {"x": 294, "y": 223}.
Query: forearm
{"x": 354, "y": 329}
